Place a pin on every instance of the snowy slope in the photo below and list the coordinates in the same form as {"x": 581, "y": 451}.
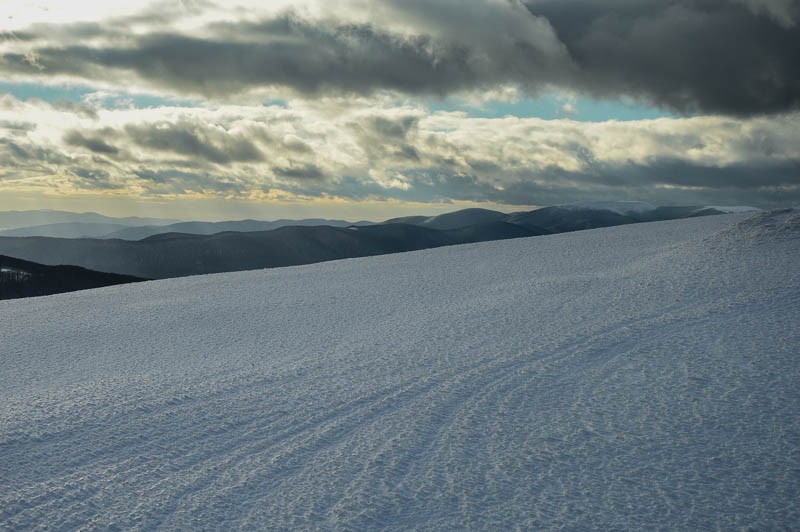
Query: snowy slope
{"x": 633, "y": 377}
{"x": 730, "y": 208}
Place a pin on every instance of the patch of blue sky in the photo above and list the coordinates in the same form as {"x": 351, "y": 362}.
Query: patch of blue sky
{"x": 275, "y": 102}
{"x": 48, "y": 93}
{"x": 548, "y": 106}
{"x": 80, "y": 93}
{"x": 553, "y": 106}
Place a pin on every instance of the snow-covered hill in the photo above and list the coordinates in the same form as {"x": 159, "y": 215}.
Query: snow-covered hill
{"x": 635, "y": 377}
{"x": 618, "y": 207}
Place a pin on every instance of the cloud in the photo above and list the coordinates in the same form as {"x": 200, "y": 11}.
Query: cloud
{"x": 736, "y": 57}
{"x": 309, "y": 57}
{"x": 93, "y": 179}
{"x": 303, "y": 171}
{"x": 94, "y": 144}
{"x": 379, "y": 150}
{"x": 713, "y": 56}
{"x": 193, "y": 140}
{"x": 784, "y": 12}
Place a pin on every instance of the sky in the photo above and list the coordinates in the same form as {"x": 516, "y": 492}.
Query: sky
{"x": 204, "y": 109}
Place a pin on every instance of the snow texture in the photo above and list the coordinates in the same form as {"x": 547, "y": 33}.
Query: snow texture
{"x": 730, "y": 208}
{"x": 635, "y": 377}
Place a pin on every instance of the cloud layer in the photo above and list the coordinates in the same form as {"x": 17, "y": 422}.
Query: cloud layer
{"x": 380, "y": 150}
{"x": 735, "y": 57}
{"x": 352, "y": 83}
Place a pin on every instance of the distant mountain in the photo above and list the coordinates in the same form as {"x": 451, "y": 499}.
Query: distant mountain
{"x": 453, "y": 220}
{"x": 412, "y": 220}
{"x": 67, "y": 230}
{"x": 594, "y": 215}
{"x": 567, "y": 217}
{"x": 176, "y": 254}
{"x": 210, "y": 228}
{"x": 179, "y": 254}
{"x": 18, "y": 219}
{"x": 21, "y": 278}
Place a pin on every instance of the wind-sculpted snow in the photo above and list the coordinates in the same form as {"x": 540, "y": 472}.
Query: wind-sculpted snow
{"x": 764, "y": 227}
{"x": 636, "y": 377}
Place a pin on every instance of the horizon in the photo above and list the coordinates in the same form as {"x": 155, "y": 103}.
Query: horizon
{"x": 213, "y": 211}
{"x": 353, "y": 220}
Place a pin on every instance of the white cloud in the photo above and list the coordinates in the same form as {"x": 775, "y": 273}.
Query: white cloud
{"x": 337, "y": 149}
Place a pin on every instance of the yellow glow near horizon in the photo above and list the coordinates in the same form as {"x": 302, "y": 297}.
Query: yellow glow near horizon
{"x": 216, "y": 208}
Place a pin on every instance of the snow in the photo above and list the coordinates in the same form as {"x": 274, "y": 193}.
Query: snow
{"x": 13, "y": 270}
{"x": 635, "y": 377}
{"x": 731, "y": 208}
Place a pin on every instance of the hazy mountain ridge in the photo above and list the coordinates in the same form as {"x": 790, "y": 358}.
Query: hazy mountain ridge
{"x": 67, "y": 230}
{"x": 210, "y": 228}
{"x": 92, "y": 225}
{"x": 171, "y": 254}
{"x": 19, "y": 219}
{"x": 177, "y": 254}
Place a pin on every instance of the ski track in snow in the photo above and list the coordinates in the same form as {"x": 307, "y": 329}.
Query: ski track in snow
{"x": 637, "y": 377}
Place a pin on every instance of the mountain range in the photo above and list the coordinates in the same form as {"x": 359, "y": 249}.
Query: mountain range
{"x": 241, "y": 245}
{"x": 43, "y": 218}
{"x": 177, "y": 254}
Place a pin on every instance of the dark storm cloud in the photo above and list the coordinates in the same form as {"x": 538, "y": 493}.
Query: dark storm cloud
{"x": 745, "y": 178}
{"x": 664, "y": 183}
{"x": 312, "y": 59}
{"x": 688, "y": 55}
{"x": 737, "y": 57}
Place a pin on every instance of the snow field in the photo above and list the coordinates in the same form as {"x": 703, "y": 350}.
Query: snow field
{"x": 635, "y": 377}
